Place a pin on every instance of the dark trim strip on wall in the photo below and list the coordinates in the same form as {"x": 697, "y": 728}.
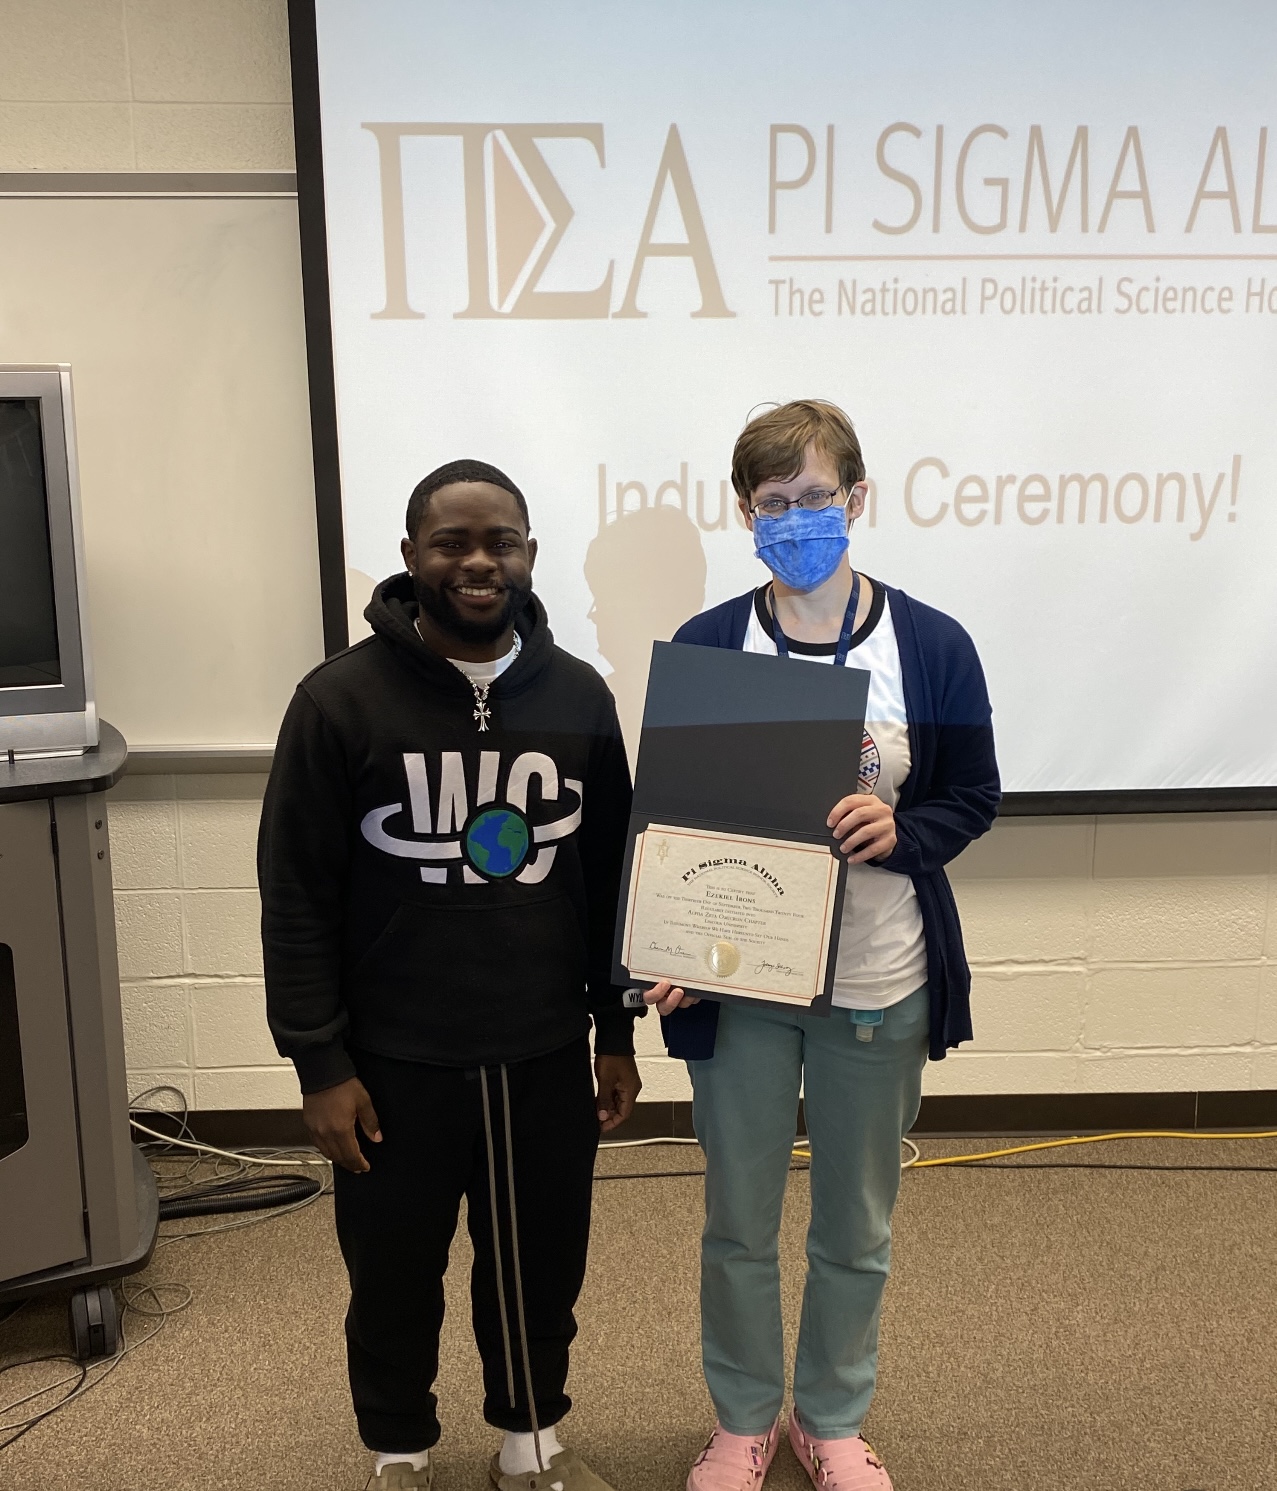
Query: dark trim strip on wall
{"x": 316, "y": 302}
{"x": 988, "y": 1116}
{"x": 210, "y": 759}
{"x": 142, "y": 184}
{"x": 1154, "y": 800}
{"x": 176, "y": 760}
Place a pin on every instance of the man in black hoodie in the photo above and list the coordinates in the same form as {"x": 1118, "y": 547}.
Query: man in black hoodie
{"x": 439, "y": 860}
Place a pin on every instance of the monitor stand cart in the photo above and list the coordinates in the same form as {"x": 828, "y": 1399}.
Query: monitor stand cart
{"x": 79, "y": 1205}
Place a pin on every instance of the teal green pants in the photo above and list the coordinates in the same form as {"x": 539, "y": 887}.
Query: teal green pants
{"x": 860, "y": 1099}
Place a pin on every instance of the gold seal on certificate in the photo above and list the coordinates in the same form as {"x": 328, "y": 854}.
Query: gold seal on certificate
{"x": 723, "y": 959}
{"x": 731, "y": 913}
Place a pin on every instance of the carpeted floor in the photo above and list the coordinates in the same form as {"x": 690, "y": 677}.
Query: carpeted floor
{"x": 1069, "y": 1330}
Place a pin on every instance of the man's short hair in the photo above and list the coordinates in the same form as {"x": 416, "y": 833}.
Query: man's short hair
{"x": 773, "y": 446}
{"x": 446, "y": 476}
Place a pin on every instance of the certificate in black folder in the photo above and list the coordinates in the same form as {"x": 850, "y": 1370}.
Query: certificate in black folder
{"x": 733, "y": 885}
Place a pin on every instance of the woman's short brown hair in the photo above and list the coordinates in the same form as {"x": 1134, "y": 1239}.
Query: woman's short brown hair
{"x": 773, "y": 446}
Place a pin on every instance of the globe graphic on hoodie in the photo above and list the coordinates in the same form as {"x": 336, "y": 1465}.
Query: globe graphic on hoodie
{"x": 497, "y": 842}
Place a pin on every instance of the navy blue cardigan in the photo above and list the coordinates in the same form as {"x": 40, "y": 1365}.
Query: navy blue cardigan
{"x": 949, "y": 798}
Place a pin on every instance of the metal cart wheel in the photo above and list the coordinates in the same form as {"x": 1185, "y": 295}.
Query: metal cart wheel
{"x": 95, "y": 1322}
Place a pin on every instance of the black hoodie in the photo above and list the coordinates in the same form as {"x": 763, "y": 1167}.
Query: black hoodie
{"x": 431, "y": 891}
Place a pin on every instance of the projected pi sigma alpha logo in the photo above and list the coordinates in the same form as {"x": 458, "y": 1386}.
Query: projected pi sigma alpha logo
{"x": 516, "y": 214}
{"x": 493, "y": 839}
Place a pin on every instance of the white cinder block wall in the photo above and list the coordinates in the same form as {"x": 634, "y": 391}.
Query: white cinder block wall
{"x": 187, "y": 923}
{"x": 1112, "y": 954}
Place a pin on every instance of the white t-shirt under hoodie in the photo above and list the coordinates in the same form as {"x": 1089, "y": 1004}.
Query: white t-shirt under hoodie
{"x": 882, "y": 957}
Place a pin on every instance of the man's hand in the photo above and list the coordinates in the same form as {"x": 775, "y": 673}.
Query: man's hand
{"x": 619, "y": 1087}
{"x": 866, "y": 827}
{"x": 330, "y": 1116}
{"x": 666, "y": 998}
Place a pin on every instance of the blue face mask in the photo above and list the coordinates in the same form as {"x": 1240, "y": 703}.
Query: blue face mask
{"x": 803, "y": 548}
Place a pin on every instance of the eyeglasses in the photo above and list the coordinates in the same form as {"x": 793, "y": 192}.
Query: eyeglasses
{"x": 812, "y": 502}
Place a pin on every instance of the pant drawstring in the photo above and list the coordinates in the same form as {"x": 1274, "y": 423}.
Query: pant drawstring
{"x": 518, "y": 1272}
{"x": 496, "y": 1237}
{"x": 514, "y": 1254}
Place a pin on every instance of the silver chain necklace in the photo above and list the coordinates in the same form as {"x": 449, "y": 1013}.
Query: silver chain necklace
{"x": 482, "y": 712}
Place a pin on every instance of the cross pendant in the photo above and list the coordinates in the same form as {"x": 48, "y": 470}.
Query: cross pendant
{"x": 482, "y": 713}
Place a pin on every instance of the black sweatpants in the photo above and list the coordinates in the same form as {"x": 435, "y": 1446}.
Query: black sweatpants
{"x": 395, "y": 1224}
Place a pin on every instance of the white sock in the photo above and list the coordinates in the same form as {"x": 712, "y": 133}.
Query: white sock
{"x": 418, "y": 1461}
{"x": 519, "y": 1452}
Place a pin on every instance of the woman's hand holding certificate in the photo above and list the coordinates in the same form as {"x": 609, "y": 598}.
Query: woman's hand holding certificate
{"x": 865, "y": 826}
{"x": 666, "y": 997}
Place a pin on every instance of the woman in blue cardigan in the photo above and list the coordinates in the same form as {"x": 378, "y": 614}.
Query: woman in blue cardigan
{"x": 928, "y": 785}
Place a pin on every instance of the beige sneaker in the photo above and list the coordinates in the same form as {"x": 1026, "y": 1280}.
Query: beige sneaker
{"x": 565, "y": 1472}
{"x": 400, "y": 1476}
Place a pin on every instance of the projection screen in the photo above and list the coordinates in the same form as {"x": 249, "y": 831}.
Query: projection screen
{"x": 1032, "y": 250}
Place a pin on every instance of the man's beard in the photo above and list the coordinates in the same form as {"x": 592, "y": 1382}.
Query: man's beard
{"x": 436, "y": 603}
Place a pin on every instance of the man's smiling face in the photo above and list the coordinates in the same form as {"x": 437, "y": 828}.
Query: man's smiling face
{"x": 471, "y": 562}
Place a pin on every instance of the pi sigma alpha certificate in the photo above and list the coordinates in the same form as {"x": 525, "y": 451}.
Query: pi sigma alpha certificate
{"x": 732, "y": 915}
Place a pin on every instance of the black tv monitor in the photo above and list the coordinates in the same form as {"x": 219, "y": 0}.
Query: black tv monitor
{"x": 46, "y": 681}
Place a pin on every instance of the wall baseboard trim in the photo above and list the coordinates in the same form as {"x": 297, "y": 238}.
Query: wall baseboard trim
{"x": 189, "y": 760}
{"x": 993, "y": 1115}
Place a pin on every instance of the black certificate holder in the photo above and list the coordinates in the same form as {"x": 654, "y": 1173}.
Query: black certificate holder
{"x": 746, "y": 743}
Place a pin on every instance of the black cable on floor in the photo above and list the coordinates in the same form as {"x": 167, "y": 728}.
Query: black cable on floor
{"x": 674, "y": 1174}
{"x": 257, "y": 1193}
{"x": 651, "y": 1175}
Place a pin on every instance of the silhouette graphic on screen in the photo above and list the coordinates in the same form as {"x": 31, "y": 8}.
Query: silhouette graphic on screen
{"x": 646, "y": 571}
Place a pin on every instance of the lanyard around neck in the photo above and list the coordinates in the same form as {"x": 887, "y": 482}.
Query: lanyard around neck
{"x": 844, "y": 637}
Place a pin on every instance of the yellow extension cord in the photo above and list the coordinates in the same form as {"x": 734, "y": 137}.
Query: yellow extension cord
{"x": 997, "y": 1154}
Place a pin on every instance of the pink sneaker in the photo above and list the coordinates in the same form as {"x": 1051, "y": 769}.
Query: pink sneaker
{"x": 734, "y": 1462}
{"x": 838, "y": 1464}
